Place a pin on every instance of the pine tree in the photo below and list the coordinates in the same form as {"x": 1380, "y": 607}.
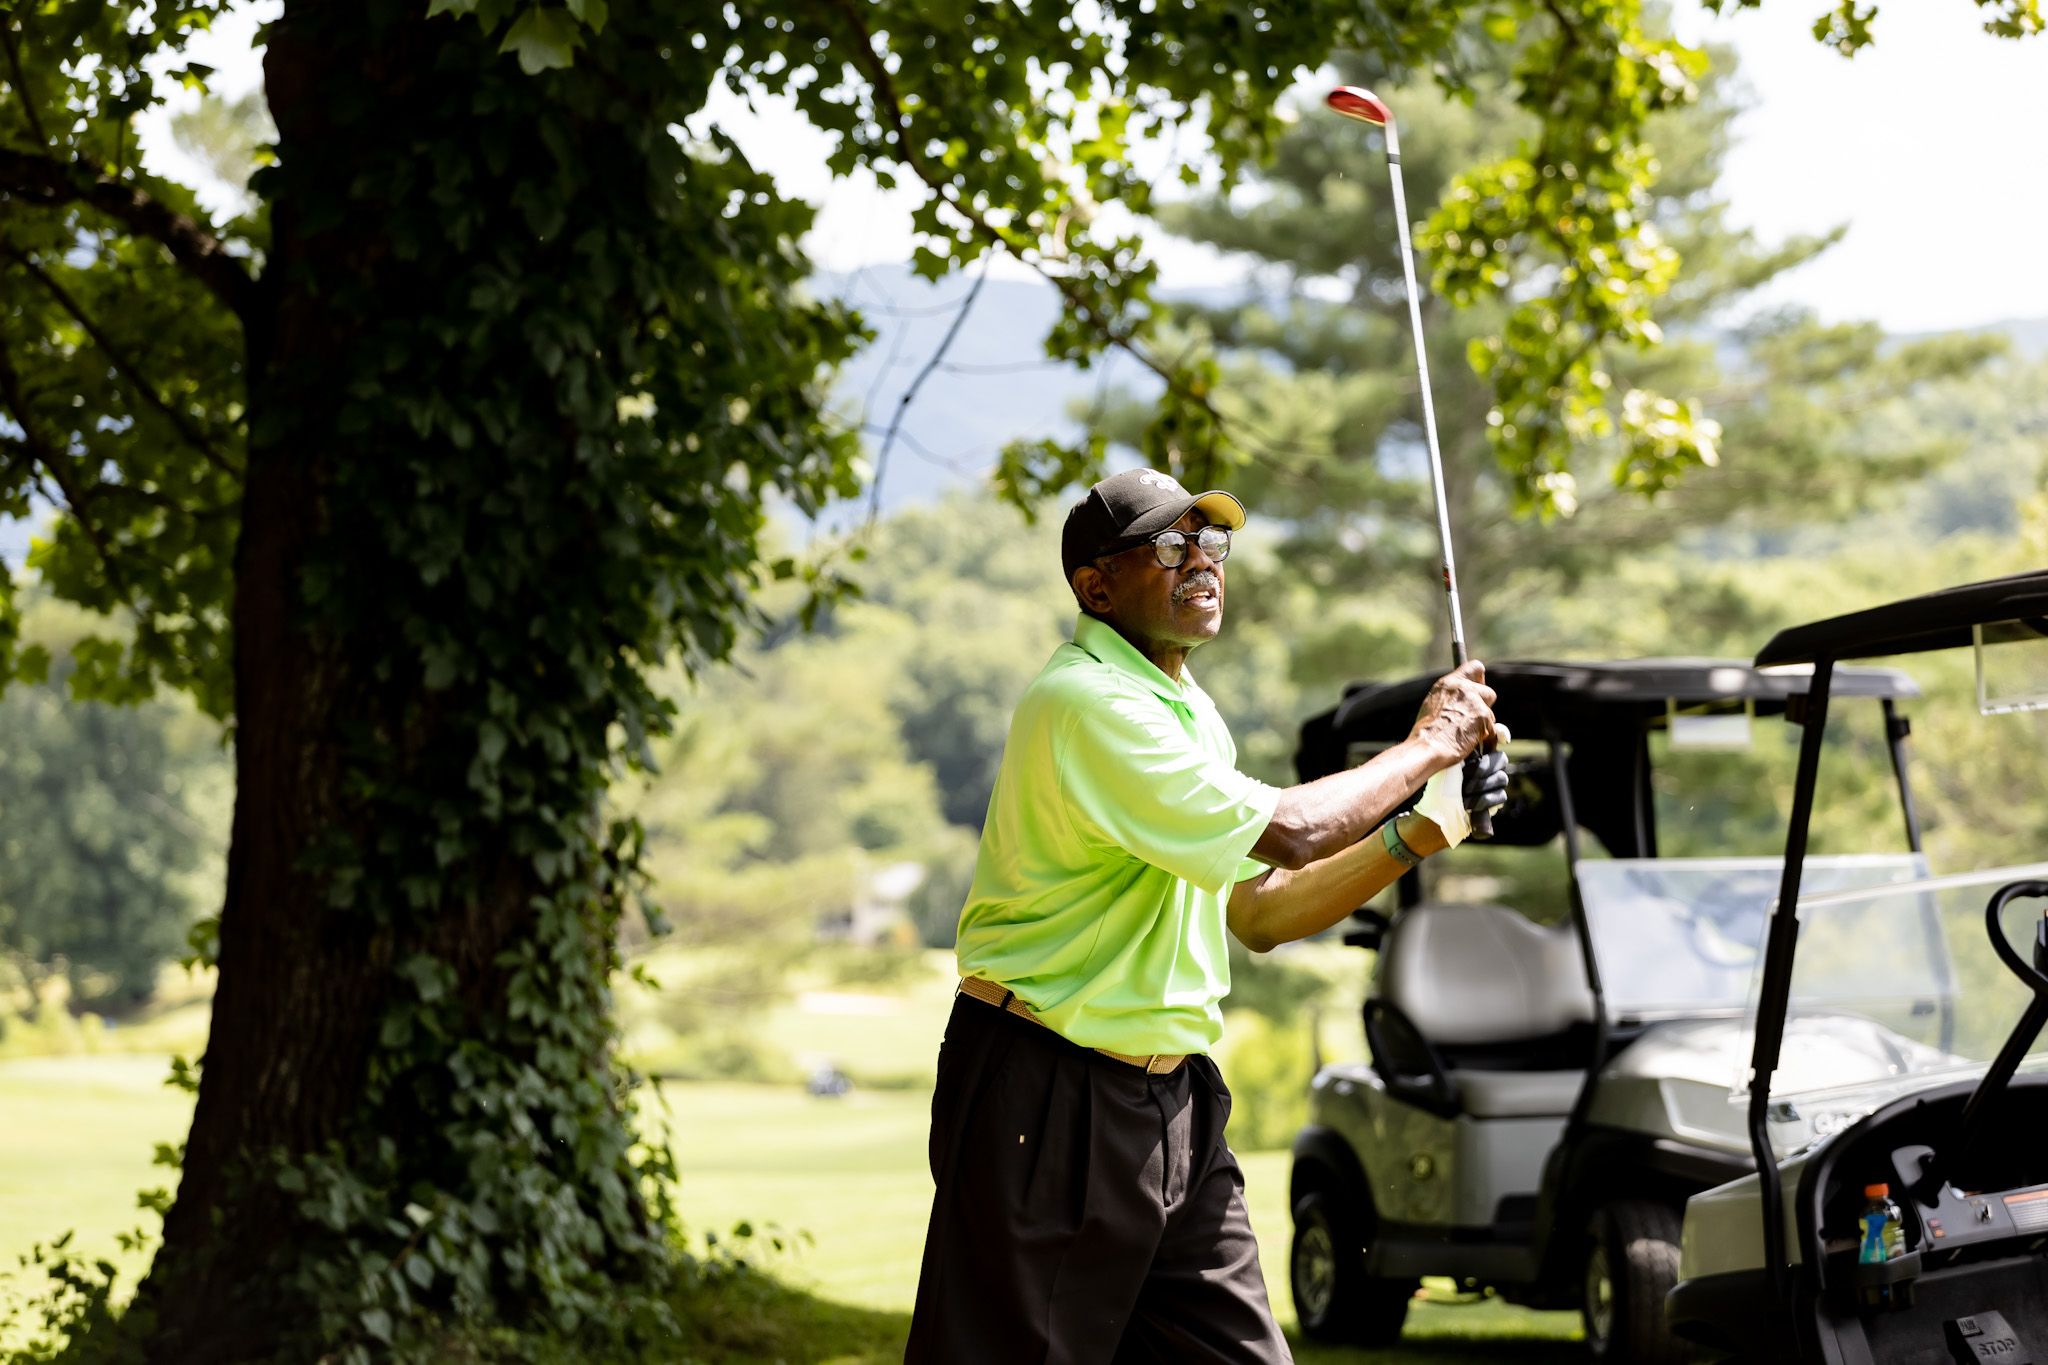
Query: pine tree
{"x": 1317, "y": 378}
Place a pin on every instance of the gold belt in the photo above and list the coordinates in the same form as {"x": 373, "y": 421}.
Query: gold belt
{"x": 989, "y": 993}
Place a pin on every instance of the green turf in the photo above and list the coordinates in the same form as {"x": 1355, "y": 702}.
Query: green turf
{"x": 889, "y": 1038}
{"x": 851, "y": 1173}
{"x": 77, "y": 1137}
{"x": 848, "y": 1174}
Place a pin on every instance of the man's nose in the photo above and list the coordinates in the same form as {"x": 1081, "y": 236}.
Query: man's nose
{"x": 1198, "y": 558}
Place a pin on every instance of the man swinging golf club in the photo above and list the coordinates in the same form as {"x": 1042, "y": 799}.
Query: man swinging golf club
{"x": 1087, "y": 1208}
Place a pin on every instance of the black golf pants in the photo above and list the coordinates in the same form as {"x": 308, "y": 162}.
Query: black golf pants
{"x": 1086, "y": 1213}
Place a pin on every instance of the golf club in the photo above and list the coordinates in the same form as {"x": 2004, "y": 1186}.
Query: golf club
{"x": 1367, "y": 107}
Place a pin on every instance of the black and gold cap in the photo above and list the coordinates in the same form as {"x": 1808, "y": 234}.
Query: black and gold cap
{"x": 1128, "y": 509}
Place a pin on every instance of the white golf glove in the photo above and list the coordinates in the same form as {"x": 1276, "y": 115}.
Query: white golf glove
{"x": 1443, "y": 805}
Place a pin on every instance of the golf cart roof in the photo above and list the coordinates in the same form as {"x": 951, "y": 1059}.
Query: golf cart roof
{"x": 1568, "y": 698}
{"x": 1603, "y": 712}
{"x": 1935, "y": 620}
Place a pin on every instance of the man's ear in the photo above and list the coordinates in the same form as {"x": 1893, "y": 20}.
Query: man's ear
{"x": 1091, "y": 589}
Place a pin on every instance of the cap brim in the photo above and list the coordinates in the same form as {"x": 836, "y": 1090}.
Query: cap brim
{"x": 1221, "y": 508}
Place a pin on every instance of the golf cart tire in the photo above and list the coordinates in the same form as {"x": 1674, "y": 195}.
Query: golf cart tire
{"x": 1639, "y": 1239}
{"x": 1335, "y": 1301}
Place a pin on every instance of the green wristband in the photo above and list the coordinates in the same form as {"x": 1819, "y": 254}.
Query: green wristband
{"x": 1396, "y": 849}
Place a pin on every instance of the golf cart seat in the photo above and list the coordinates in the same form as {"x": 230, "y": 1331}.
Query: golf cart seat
{"x": 1480, "y": 1009}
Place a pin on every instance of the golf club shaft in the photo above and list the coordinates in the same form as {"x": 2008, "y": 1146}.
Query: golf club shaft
{"x": 1436, "y": 459}
{"x": 1482, "y": 819}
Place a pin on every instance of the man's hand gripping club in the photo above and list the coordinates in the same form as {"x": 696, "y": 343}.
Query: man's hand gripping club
{"x": 1323, "y": 866}
{"x": 1481, "y": 782}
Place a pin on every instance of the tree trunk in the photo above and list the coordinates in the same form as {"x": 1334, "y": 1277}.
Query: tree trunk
{"x": 294, "y": 1014}
{"x": 307, "y": 981}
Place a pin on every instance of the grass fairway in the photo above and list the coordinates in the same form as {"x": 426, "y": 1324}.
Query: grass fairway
{"x": 850, "y": 1172}
{"x": 78, "y": 1133}
{"x": 77, "y": 1138}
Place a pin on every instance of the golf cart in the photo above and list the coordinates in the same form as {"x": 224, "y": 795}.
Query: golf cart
{"x": 1772, "y": 1268}
{"x": 1548, "y": 1084}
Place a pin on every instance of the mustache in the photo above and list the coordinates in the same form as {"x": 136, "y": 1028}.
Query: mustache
{"x": 1202, "y": 580}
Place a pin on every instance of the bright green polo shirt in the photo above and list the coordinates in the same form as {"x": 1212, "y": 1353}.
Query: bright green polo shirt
{"x": 1118, "y": 826}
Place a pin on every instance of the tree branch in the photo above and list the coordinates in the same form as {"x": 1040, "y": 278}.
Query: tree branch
{"x": 126, "y": 368}
{"x": 78, "y": 499}
{"x": 909, "y": 394}
{"x": 28, "y": 104}
{"x": 889, "y": 105}
{"x": 1568, "y": 30}
{"x": 45, "y": 180}
{"x": 149, "y": 497}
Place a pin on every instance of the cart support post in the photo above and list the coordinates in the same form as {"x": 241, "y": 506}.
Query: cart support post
{"x": 1896, "y": 728}
{"x": 1568, "y": 813}
{"x": 1781, "y": 944}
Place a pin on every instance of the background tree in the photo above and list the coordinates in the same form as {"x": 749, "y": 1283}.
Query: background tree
{"x": 1317, "y": 375}
{"x": 417, "y": 470}
{"x": 972, "y": 584}
{"x": 230, "y": 139}
{"x": 99, "y": 841}
{"x": 787, "y": 783}
{"x": 872, "y": 738}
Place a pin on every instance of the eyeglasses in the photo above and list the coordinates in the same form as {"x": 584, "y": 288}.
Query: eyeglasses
{"x": 1171, "y": 547}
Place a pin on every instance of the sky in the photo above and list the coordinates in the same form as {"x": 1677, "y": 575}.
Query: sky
{"x": 1927, "y": 145}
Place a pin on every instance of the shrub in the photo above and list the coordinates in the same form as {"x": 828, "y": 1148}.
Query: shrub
{"x": 1268, "y": 1067}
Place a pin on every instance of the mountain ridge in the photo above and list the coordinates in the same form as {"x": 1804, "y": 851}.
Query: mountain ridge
{"x": 995, "y": 384}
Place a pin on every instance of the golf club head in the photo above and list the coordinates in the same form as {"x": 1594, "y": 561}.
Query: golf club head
{"x": 1363, "y": 105}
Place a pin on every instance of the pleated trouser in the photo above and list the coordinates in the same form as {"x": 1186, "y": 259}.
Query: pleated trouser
{"x": 1085, "y": 1213}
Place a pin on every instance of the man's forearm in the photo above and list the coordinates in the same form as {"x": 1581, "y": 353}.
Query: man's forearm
{"x": 1324, "y": 818}
{"x": 1282, "y": 905}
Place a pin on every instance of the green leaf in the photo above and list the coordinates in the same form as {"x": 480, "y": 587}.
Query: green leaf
{"x": 546, "y": 39}
{"x": 32, "y": 664}
{"x": 377, "y": 1323}
{"x": 490, "y": 741}
{"x": 429, "y": 977}
{"x": 202, "y": 943}
{"x": 590, "y": 12}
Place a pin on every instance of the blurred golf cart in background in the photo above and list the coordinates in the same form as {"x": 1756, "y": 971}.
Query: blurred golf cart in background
{"x": 1953, "y": 970}
{"x": 1547, "y": 1083}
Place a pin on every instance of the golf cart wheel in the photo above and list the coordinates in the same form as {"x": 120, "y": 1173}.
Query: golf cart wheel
{"x": 1631, "y": 1264}
{"x": 1334, "y": 1299}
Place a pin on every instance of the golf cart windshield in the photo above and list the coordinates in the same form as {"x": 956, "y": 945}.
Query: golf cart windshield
{"x": 1894, "y": 988}
{"x": 1682, "y": 937}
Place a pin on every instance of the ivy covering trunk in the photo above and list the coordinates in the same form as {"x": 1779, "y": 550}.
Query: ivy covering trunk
{"x": 492, "y": 470}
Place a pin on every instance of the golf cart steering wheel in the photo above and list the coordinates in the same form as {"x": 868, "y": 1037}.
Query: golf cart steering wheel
{"x": 2029, "y": 973}
{"x": 1977, "y": 1110}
